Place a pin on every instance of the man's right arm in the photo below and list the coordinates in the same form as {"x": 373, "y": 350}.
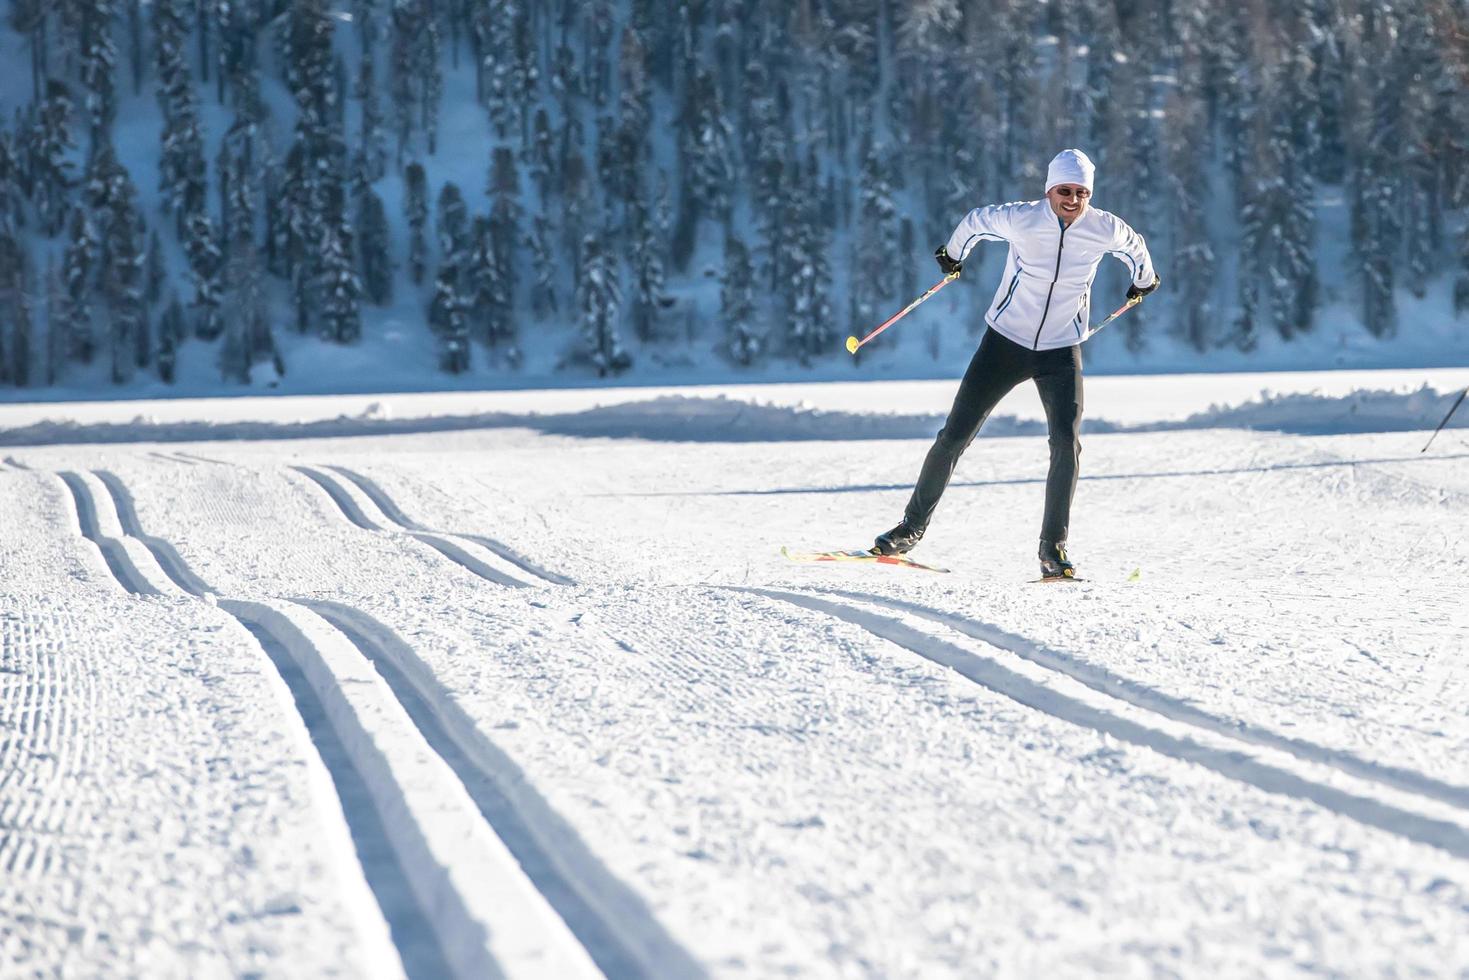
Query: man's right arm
{"x": 982, "y": 224}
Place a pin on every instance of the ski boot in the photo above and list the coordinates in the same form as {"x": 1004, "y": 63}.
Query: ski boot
{"x": 1054, "y": 563}
{"x": 899, "y": 541}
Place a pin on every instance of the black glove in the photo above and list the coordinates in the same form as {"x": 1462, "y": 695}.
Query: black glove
{"x": 950, "y": 267}
{"x": 1138, "y": 292}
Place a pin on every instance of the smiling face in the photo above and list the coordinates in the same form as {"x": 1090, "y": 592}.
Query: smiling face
{"x": 1069, "y": 201}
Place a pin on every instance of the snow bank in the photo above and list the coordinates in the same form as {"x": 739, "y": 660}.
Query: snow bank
{"x": 680, "y": 418}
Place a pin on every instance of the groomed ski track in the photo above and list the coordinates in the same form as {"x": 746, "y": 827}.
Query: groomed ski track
{"x": 450, "y": 738}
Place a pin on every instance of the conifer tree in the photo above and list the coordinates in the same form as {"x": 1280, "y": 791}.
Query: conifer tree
{"x": 599, "y": 298}
{"x": 170, "y": 334}
{"x": 181, "y": 170}
{"x": 154, "y": 273}
{"x": 372, "y": 238}
{"x": 14, "y": 317}
{"x": 650, "y": 294}
{"x": 451, "y": 222}
{"x": 447, "y": 317}
{"x": 50, "y": 168}
{"x": 98, "y": 64}
{"x": 201, "y": 245}
{"x": 1186, "y": 147}
{"x": 737, "y": 303}
{"x": 338, "y": 286}
{"x": 543, "y": 290}
{"x": 81, "y": 256}
{"x": 504, "y": 230}
{"x": 416, "y": 209}
{"x": 808, "y": 287}
{"x": 372, "y": 155}
{"x": 873, "y": 282}
{"x": 417, "y": 79}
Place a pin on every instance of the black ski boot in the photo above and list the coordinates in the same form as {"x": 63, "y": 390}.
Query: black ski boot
{"x": 899, "y": 541}
{"x": 1054, "y": 563}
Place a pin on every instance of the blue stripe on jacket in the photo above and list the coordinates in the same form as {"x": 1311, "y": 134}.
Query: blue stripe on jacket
{"x": 1009, "y": 295}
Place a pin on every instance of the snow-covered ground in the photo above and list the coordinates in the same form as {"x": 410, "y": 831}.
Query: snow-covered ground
{"x": 536, "y": 694}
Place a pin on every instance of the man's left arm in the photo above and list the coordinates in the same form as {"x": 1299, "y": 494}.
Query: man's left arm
{"x": 1130, "y": 249}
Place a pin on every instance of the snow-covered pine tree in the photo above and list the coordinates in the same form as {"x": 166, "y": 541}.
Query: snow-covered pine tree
{"x": 577, "y": 194}
{"x": 543, "y": 291}
{"x": 446, "y": 316}
{"x": 99, "y": 64}
{"x": 13, "y": 183}
{"x": 338, "y": 285}
{"x": 873, "y": 273}
{"x": 737, "y": 303}
{"x": 1186, "y": 153}
{"x": 541, "y": 155}
{"x": 707, "y": 163}
{"x": 1131, "y": 150}
{"x": 808, "y": 289}
{"x": 451, "y": 222}
{"x": 627, "y": 144}
{"x": 373, "y": 245}
{"x": 432, "y": 77}
{"x": 650, "y": 294}
{"x": 247, "y": 325}
{"x": 201, "y": 246}
{"x": 415, "y": 204}
{"x": 504, "y": 230}
{"x": 599, "y": 298}
{"x": 372, "y": 155}
{"x": 1374, "y": 180}
{"x": 1416, "y": 60}
{"x": 181, "y": 171}
{"x": 12, "y": 291}
{"x": 417, "y": 78}
{"x": 122, "y": 283}
{"x": 1290, "y": 201}
{"x": 170, "y": 334}
{"x": 1325, "y": 25}
{"x": 498, "y": 71}
{"x": 154, "y": 273}
{"x": 82, "y": 250}
{"x": 49, "y": 144}
{"x": 927, "y": 48}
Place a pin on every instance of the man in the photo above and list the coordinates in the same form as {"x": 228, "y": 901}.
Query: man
{"x": 1037, "y": 323}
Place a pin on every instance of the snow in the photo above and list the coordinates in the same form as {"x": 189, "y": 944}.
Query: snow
{"x": 518, "y": 682}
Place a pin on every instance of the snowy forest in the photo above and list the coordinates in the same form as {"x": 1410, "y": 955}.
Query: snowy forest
{"x": 746, "y": 180}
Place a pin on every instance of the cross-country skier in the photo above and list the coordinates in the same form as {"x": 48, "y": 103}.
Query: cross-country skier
{"x": 1037, "y": 323}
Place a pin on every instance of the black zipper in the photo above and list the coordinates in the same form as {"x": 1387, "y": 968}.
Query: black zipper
{"x": 1062, "y": 245}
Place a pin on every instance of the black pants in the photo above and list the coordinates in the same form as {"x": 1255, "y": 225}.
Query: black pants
{"x": 998, "y": 366}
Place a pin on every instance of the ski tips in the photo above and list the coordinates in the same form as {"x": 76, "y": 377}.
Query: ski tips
{"x": 852, "y": 345}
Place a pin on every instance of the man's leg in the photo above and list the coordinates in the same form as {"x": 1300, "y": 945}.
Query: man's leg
{"x": 998, "y": 366}
{"x": 1058, "y": 378}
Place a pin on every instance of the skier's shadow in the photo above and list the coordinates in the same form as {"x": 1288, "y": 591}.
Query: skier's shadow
{"x": 1040, "y": 480}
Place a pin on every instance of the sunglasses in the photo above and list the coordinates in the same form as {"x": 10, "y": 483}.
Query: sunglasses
{"x": 1067, "y": 191}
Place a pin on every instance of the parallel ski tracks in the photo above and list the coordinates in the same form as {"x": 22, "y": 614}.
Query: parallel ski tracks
{"x": 1227, "y": 744}
{"x": 471, "y": 871}
{"x": 376, "y": 511}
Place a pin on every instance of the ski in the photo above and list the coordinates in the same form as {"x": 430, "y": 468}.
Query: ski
{"x": 867, "y": 556}
{"x": 1056, "y": 578}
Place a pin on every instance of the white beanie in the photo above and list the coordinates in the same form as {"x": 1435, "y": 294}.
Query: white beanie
{"x": 1070, "y": 167}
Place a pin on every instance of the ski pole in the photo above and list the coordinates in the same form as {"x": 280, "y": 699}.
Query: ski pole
{"x": 1457, "y": 402}
{"x": 853, "y": 343}
{"x": 1115, "y": 314}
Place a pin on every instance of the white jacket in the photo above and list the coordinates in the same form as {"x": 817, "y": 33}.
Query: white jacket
{"x": 1044, "y": 298}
